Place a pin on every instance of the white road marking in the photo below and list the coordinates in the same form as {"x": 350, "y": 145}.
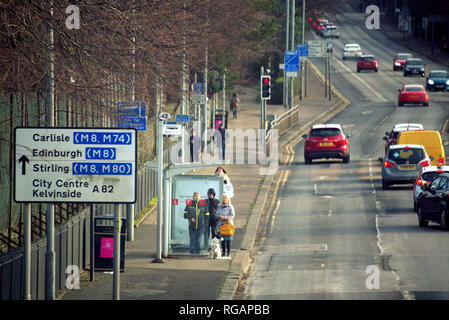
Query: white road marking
{"x": 381, "y": 97}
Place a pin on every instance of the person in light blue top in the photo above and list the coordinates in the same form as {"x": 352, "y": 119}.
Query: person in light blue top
{"x": 225, "y": 212}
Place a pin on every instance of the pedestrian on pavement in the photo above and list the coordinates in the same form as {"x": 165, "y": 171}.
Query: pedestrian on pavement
{"x": 228, "y": 189}
{"x": 235, "y": 102}
{"x": 224, "y": 139}
{"x": 195, "y": 146}
{"x": 197, "y": 215}
{"x": 225, "y": 213}
{"x": 212, "y": 206}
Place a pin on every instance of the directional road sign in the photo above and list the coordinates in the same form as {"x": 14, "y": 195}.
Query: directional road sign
{"x": 75, "y": 165}
{"x": 291, "y": 61}
{"x": 303, "y": 50}
{"x": 317, "y": 48}
{"x": 131, "y": 114}
{"x": 182, "y": 118}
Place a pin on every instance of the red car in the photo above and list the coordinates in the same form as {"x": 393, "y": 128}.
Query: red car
{"x": 367, "y": 63}
{"x": 326, "y": 141}
{"x": 399, "y": 60}
{"x": 413, "y": 93}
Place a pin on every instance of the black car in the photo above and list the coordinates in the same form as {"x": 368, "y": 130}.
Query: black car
{"x": 433, "y": 202}
{"x": 414, "y": 66}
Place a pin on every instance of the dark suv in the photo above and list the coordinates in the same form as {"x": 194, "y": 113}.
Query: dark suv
{"x": 433, "y": 202}
{"x": 414, "y": 66}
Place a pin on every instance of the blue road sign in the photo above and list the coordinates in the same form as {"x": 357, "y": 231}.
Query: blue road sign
{"x": 182, "y": 118}
{"x": 291, "y": 61}
{"x": 198, "y": 88}
{"x": 131, "y": 114}
{"x": 140, "y": 124}
{"x": 303, "y": 50}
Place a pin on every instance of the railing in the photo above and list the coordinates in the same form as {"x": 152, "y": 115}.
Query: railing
{"x": 282, "y": 124}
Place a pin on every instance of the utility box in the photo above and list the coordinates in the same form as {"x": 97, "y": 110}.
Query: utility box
{"x": 183, "y": 187}
{"x": 104, "y": 243}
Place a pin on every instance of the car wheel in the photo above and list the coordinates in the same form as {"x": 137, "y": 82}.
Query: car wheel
{"x": 425, "y": 104}
{"x": 376, "y": 70}
{"x": 405, "y": 74}
{"x": 444, "y": 222}
{"x": 385, "y": 185}
{"x": 358, "y": 70}
{"x": 400, "y": 104}
{"x": 422, "y": 222}
{"x": 346, "y": 159}
{"x": 343, "y": 58}
{"x": 307, "y": 160}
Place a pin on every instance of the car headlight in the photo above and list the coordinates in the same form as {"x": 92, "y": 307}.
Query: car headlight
{"x": 447, "y": 82}
{"x": 422, "y": 69}
{"x": 397, "y": 64}
{"x": 430, "y": 81}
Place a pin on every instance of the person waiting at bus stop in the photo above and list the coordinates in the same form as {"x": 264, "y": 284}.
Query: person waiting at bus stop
{"x": 198, "y": 216}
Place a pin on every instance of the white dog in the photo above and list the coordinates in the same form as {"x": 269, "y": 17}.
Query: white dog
{"x": 215, "y": 250}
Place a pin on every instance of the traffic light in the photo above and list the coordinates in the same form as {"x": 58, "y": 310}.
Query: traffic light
{"x": 265, "y": 85}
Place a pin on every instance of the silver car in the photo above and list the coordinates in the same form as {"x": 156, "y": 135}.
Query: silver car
{"x": 403, "y": 163}
{"x": 331, "y": 31}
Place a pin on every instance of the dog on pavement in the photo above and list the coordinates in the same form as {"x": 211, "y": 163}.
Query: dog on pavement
{"x": 215, "y": 250}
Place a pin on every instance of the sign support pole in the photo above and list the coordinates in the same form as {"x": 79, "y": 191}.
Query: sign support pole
{"x": 92, "y": 241}
{"x": 116, "y": 280}
{"x": 329, "y": 55}
{"x": 50, "y": 269}
{"x": 160, "y": 168}
{"x": 261, "y": 100}
{"x": 325, "y": 77}
{"x": 27, "y": 249}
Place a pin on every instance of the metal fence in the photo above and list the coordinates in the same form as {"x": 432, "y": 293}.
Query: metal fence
{"x": 72, "y": 246}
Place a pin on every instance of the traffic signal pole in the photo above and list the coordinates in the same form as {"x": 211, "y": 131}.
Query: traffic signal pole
{"x": 292, "y": 45}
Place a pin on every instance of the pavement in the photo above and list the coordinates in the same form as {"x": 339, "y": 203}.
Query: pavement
{"x": 182, "y": 277}
{"x": 416, "y": 45}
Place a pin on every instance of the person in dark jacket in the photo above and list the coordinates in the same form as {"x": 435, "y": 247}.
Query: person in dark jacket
{"x": 224, "y": 137}
{"x": 212, "y": 206}
{"x": 195, "y": 146}
{"x": 198, "y": 216}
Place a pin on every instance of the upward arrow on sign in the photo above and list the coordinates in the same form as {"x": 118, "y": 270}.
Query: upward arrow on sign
{"x": 24, "y": 160}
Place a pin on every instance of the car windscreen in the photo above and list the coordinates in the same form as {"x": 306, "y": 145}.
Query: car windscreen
{"x": 439, "y": 75}
{"x": 413, "y": 89}
{"x": 406, "y": 155}
{"x": 352, "y": 48}
{"x": 430, "y": 176}
{"x": 414, "y": 63}
{"x": 403, "y": 56}
{"x": 325, "y": 132}
{"x": 395, "y": 135}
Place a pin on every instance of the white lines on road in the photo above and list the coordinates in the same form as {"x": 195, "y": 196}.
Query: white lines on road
{"x": 377, "y": 94}
{"x": 378, "y": 125}
{"x": 297, "y": 247}
{"x": 381, "y": 212}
